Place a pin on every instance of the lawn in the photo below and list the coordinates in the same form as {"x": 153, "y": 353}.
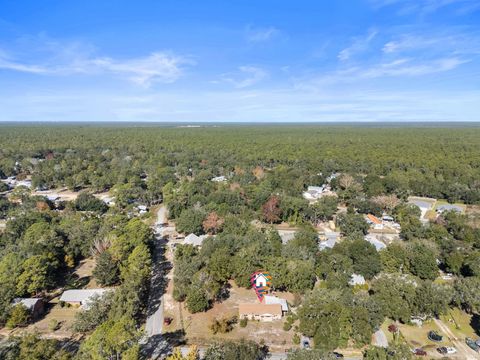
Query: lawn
{"x": 416, "y": 336}
{"x": 64, "y": 316}
{"x": 459, "y": 323}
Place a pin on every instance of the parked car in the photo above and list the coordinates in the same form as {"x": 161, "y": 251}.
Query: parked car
{"x": 442, "y": 350}
{"x": 167, "y": 320}
{"x": 434, "y": 336}
{"x": 337, "y": 355}
{"x": 419, "y": 352}
{"x": 451, "y": 350}
{"x": 471, "y": 344}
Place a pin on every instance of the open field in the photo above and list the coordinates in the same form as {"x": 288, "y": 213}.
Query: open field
{"x": 460, "y": 323}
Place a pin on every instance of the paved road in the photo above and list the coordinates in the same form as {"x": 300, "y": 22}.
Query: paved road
{"x": 154, "y": 323}
{"x": 154, "y": 345}
{"x": 464, "y": 352}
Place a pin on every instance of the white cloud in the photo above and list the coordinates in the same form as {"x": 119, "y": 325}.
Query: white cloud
{"x": 158, "y": 67}
{"x": 260, "y": 34}
{"x": 408, "y": 67}
{"x": 402, "y": 67}
{"x": 428, "y": 6}
{"x": 251, "y": 76}
{"x": 359, "y": 45}
{"x": 453, "y": 41}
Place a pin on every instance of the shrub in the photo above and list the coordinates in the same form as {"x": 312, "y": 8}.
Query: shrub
{"x": 287, "y": 326}
{"x": 18, "y": 316}
{"x": 53, "y": 325}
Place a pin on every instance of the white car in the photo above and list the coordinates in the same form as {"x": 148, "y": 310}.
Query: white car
{"x": 451, "y": 350}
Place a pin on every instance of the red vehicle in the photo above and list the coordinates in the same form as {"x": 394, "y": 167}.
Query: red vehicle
{"x": 419, "y": 352}
{"x": 167, "y": 320}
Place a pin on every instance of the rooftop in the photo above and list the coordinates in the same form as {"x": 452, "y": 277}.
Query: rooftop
{"x": 82, "y": 296}
{"x": 269, "y": 300}
{"x": 29, "y": 303}
{"x": 260, "y": 309}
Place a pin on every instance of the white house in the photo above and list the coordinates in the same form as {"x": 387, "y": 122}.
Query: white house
{"x": 219, "y": 179}
{"x": 110, "y": 201}
{"x": 81, "y": 297}
{"x": 356, "y": 279}
{"x": 332, "y": 238}
{"x": 314, "y": 192}
{"x": 53, "y": 197}
{"x": 195, "y": 240}
{"x": 377, "y": 243}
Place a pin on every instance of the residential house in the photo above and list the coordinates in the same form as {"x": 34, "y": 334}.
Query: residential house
{"x": 331, "y": 240}
{"x": 375, "y": 222}
{"x": 314, "y": 193}
{"x": 219, "y": 179}
{"x": 269, "y": 300}
{"x": 142, "y": 209}
{"x": 356, "y": 279}
{"x": 379, "y": 245}
{"x": 449, "y": 207}
{"x": 110, "y": 201}
{"x": 194, "y": 240}
{"x": 260, "y": 312}
{"x": 81, "y": 297}
{"x": 286, "y": 235}
{"x": 52, "y": 197}
{"x": 36, "y": 306}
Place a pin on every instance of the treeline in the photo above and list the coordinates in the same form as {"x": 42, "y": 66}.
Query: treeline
{"x": 441, "y": 163}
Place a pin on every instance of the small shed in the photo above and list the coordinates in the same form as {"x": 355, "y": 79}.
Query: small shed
{"x": 356, "y": 279}
{"x": 36, "y": 306}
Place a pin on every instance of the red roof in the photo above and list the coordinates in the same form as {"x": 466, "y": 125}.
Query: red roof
{"x": 374, "y": 219}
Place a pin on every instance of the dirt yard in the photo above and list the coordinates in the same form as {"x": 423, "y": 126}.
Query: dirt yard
{"x": 85, "y": 270}
{"x": 67, "y": 195}
{"x": 197, "y": 329}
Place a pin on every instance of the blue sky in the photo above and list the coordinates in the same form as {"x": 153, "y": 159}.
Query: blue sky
{"x": 268, "y": 60}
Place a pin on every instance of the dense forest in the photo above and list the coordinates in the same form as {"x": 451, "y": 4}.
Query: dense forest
{"x": 436, "y": 162}
{"x": 266, "y": 170}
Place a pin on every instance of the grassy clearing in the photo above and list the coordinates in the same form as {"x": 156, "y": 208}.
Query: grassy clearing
{"x": 459, "y": 323}
{"x": 415, "y": 336}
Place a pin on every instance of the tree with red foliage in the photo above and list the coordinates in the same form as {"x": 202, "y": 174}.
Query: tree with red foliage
{"x": 213, "y": 223}
{"x": 271, "y": 210}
